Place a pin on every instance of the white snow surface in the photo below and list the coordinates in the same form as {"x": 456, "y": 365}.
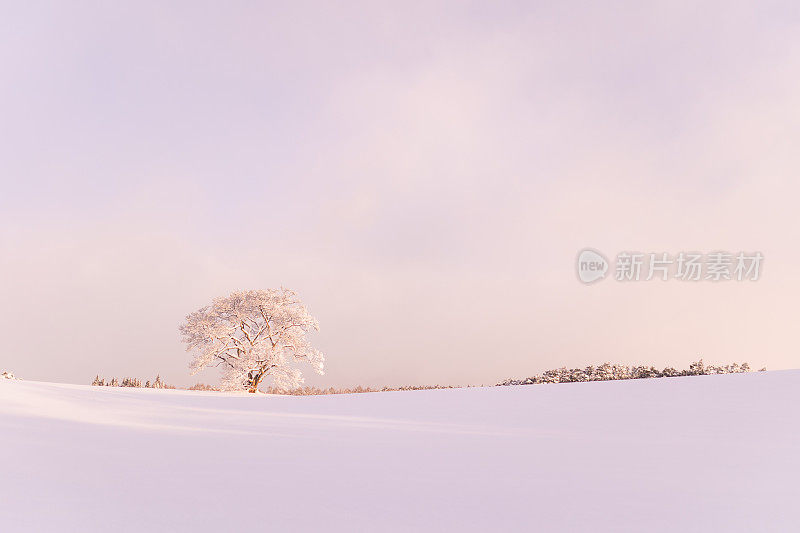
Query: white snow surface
{"x": 708, "y": 453}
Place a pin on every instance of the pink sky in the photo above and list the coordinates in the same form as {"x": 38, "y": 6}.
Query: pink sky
{"x": 423, "y": 175}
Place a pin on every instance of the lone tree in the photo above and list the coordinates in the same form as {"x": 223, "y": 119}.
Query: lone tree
{"x": 252, "y": 335}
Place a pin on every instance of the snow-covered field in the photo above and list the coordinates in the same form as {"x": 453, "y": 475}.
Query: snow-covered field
{"x": 710, "y": 453}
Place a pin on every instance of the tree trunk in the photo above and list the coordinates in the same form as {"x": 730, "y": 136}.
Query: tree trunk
{"x": 256, "y": 381}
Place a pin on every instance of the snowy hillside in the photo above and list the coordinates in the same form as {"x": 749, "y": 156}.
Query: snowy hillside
{"x": 711, "y": 453}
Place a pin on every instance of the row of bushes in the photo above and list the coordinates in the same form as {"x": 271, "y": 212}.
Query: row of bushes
{"x": 314, "y": 391}
{"x": 609, "y": 372}
{"x": 131, "y": 382}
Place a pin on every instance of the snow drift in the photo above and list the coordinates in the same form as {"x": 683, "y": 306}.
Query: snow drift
{"x": 678, "y": 454}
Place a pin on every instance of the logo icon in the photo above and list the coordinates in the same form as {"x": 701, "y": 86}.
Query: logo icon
{"x": 592, "y": 266}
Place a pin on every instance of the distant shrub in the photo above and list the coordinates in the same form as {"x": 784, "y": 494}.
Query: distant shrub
{"x": 609, "y": 372}
{"x": 204, "y": 387}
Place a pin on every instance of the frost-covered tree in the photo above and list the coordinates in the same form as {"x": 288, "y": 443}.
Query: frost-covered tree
{"x": 253, "y": 335}
{"x": 131, "y": 382}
